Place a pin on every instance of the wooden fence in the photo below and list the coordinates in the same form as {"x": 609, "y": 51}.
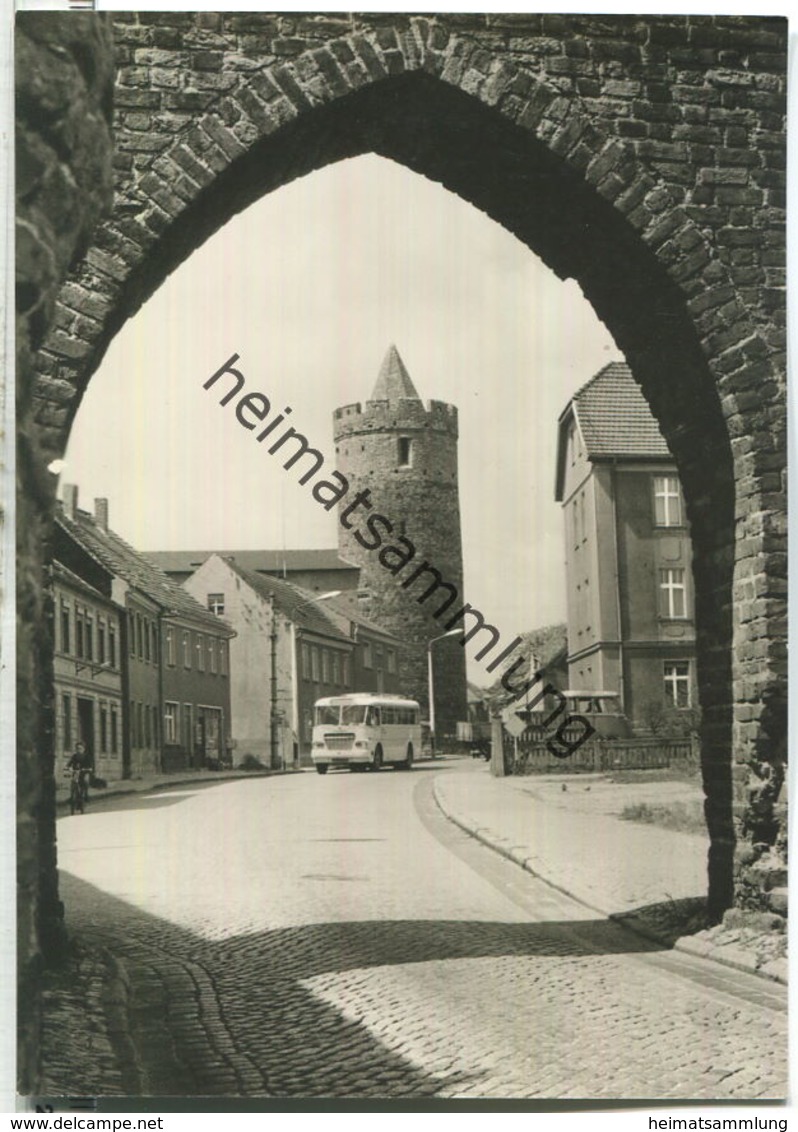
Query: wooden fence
{"x": 529, "y": 754}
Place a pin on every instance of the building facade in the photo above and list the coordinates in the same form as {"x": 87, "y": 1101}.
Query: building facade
{"x": 291, "y": 648}
{"x": 403, "y": 454}
{"x": 631, "y": 623}
{"x": 175, "y": 713}
{"x": 87, "y": 669}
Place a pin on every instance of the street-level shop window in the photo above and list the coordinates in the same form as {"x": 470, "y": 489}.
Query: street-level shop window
{"x": 170, "y": 722}
{"x": 667, "y": 501}
{"x": 677, "y": 683}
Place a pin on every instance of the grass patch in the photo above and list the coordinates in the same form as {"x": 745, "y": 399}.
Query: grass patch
{"x": 683, "y": 817}
{"x": 661, "y": 774}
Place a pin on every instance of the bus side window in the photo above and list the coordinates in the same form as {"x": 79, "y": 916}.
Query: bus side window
{"x": 373, "y": 717}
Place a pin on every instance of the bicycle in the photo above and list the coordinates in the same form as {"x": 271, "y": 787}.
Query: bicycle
{"x": 78, "y": 791}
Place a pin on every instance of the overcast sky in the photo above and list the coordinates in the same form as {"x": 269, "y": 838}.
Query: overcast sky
{"x": 309, "y": 287}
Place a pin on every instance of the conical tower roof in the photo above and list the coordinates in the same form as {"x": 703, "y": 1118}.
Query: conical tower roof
{"x": 393, "y": 382}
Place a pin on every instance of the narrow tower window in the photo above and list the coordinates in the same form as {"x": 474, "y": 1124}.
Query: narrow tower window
{"x": 405, "y": 451}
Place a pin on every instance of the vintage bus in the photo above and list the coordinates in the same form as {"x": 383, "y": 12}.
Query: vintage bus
{"x": 365, "y": 731}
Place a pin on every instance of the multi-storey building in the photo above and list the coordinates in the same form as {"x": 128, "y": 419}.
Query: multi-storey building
{"x": 87, "y": 668}
{"x": 174, "y": 714}
{"x": 631, "y": 626}
{"x": 291, "y": 648}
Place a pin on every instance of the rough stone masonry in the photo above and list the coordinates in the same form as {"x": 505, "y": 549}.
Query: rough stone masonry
{"x": 643, "y": 157}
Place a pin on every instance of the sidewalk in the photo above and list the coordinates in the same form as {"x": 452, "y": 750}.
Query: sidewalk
{"x": 566, "y": 830}
{"x": 153, "y": 781}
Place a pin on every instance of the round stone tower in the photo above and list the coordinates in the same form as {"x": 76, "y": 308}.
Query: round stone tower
{"x": 405, "y": 534}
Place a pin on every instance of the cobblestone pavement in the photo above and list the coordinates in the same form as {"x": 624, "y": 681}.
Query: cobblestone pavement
{"x": 335, "y": 937}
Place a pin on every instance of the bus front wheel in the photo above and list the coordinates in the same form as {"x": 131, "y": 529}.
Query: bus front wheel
{"x": 321, "y": 768}
{"x": 376, "y": 763}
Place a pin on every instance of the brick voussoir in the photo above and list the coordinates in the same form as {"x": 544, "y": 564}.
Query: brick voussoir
{"x": 224, "y": 138}
{"x": 369, "y": 56}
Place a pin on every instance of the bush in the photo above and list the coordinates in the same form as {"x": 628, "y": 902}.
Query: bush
{"x": 682, "y": 817}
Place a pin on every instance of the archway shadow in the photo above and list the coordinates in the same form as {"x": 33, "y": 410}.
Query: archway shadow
{"x": 236, "y": 1016}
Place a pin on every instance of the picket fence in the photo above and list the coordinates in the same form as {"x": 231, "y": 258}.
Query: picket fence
{"x": 530, "y": 754}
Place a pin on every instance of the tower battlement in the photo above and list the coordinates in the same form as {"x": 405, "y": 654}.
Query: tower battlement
{"x": 376, "y": 416}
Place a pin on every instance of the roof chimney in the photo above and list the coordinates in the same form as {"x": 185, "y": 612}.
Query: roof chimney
{"x": 70, "y": 493}
{"x": 101, "y": 513}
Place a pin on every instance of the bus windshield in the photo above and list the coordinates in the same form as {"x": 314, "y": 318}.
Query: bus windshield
{"x": 331, "y": 715}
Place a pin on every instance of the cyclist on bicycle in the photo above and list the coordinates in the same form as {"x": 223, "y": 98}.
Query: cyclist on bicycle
{"x": 80, "y": 764}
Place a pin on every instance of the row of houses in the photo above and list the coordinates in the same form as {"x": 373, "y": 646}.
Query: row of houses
{"x": 196, "y": 658}
{"x": 141, "y": 670}
{"x": 154, "y": 676}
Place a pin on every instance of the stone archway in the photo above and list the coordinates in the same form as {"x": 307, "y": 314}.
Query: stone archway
{"x": 633, "y": 214}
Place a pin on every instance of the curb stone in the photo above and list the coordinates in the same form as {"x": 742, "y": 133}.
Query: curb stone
{"x": 774, "y": 971}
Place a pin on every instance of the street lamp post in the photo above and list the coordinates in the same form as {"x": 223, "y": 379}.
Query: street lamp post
{"x": 431, "y": 683}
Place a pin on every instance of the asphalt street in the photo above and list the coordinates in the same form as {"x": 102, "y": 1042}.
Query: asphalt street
{"x": 308, "y": 936}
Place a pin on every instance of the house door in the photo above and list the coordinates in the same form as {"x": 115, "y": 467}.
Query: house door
{"x": 209, "y": 735}
{"x": 86, "y": 725}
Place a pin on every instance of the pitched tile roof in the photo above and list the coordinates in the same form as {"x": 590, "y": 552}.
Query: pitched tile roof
{"x": 614, "y": 417}
{"x": 346, "y": 605}
{"x": 121, "y": 559}
{"x": 393, "y": 381}
{"x": 299, "y": 606}
{"x": 264, "y": 561}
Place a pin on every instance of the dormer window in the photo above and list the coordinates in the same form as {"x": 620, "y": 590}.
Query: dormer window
{"x": 405, "y": 451}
